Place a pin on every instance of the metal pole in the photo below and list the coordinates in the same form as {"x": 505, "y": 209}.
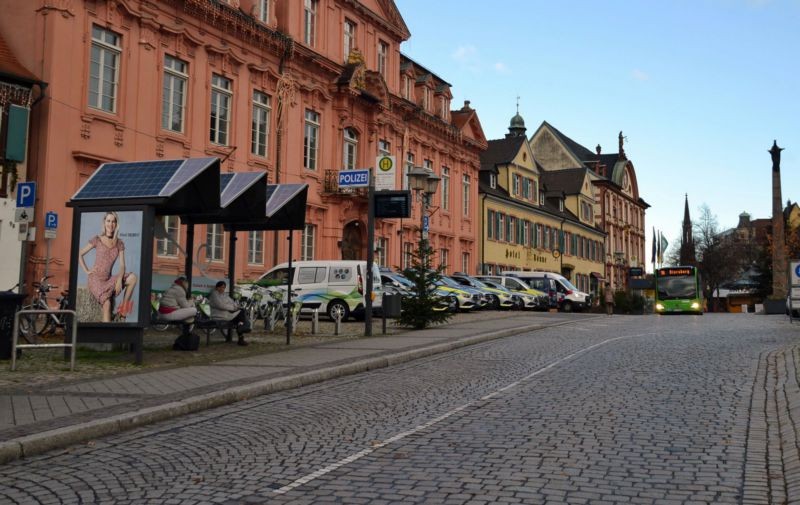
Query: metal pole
{"x": 289, "y": 318}
{"x": 370, "y": 255}
{"x": 231, "y": 263}
{"x": 187, "y": 265}
{"x": 47, "y": 257}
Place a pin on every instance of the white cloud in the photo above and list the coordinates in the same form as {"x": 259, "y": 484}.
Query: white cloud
{"x": 501, "y": 68}
{"x": 640, "y": 75}
{"x": 467, "y": 57}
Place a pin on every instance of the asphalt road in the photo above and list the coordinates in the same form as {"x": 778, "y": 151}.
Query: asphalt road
{"x": 607, "y": 410}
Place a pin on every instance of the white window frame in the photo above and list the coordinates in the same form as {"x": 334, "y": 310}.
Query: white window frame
{"x": 220, "y": 115}
{"x": 349, "y": 149}
{"x": 444, "y": 253}
{"x": 262, "y": 112}
{"x": 311, "y": 139}
{"x": 255, "y": 247}
{"x": 383, "y": 57}
{"x": 493, "y": 180}
{"x": 445, "y": 188}
{"x": 106, "y": 47}
{"x": 515, "y": 182}
{"x": 173, "y": 100}
{"x": 349, "y": 37}
{"x": 382, "y": 251}
{"x": 263, "y": 11}
{"x": 465, "y": 262}
{"x": 215, "y": 242}
{"x": 408, "y": 255}
{"x": 310, "y": 22}
{"x": 465, "y": 199}
{"x": 164, "y": 247}
{"x": 407, "y": 168}
{"x": 384, "y": 147}
{"x": 307, "y": 240}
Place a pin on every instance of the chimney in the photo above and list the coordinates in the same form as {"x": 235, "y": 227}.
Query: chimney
{"x": 466, "y": 107}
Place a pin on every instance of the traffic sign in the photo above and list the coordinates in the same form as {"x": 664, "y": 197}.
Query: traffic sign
{"x": 49, "y": 233}
{"x": 23, "y": 215}
{"x": 26, "y": 194}
{"x": 354, "y": 178}
{"x": 425, "y": 223}
{"x": 50, "y": 221}
{"x": 385, "y": 175}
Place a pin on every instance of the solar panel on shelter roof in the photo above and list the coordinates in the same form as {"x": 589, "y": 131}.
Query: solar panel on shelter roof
{"x": 232, "y": 185}
{"x": 279, "y": 195}
{"x": 141, "y": 179}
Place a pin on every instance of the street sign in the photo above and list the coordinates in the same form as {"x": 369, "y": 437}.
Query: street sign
{"x": 390, "y": 204}
{"x": 49, "y": 233}
{"x": 23, "y": 215}
{"x": 385, "y": 175}
{"x": 26, "y": 194}
{"x": 50, "y": 221}
{"x": 354, "y": 178}
{"x": 425, "y": 223}
{"x": 26, "y": 232}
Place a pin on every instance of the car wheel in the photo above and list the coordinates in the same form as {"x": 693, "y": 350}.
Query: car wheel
{"x": 338, "y": 308}
{"x": 452, "y": 304}
{"x": 495, "y": 305}
{"x": 567, "y": 306}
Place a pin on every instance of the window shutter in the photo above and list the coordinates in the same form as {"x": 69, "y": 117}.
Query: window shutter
{"x": 17, "y": 136}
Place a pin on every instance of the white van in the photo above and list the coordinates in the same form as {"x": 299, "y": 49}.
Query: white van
{"x": 569, "y": 297}
{"x": 337, "y": 285}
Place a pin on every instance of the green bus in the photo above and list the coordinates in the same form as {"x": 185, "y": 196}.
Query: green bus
{"x": 679, "y": 290}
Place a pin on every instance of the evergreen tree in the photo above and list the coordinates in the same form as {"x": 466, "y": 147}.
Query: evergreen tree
{"x": 419, "y": 310}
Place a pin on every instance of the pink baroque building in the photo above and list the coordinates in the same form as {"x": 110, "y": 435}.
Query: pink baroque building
{"x": 301, "y": 89}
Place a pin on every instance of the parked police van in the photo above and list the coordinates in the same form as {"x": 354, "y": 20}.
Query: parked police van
{"x": 569, "y": 297}
{"x": 337, "y": 285}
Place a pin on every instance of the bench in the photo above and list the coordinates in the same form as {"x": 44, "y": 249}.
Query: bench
{"x": 209, "y": 325}
{"x": 206, "y": 325}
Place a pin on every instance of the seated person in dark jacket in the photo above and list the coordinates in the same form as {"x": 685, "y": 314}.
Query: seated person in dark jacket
{"x": 223, "y": 307}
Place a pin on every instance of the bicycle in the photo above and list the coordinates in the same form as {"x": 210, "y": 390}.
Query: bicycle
{"x": 275, "y": 310}
{"x": 34, "y": 325}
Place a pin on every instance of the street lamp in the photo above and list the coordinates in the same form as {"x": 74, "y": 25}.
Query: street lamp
{"x": 424, "y": 183}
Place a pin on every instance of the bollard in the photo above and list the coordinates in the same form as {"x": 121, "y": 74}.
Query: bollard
{"x": 384, "y": 322}
{"x": 337, "y": 322}
{"x": 315, "y": 322}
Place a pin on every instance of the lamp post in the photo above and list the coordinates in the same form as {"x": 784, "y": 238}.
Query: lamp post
{"x": 424, "y": 183}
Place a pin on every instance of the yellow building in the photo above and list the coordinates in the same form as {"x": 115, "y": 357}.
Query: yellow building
{"x": 533, "y": 220}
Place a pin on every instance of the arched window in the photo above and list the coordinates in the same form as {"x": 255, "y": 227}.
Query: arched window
{"x": 350, "y": 149}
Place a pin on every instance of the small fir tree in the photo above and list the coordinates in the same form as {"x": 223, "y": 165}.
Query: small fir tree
{"x": 418, "y": 311}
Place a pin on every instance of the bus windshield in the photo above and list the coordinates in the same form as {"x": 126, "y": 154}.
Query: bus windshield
{"x": 677, "y": 287}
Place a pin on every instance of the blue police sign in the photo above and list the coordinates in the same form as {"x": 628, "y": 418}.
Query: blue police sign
{"x": 51, "y": 220}
{"x": 26, "y": 194}
{"x": 354, "y": 178}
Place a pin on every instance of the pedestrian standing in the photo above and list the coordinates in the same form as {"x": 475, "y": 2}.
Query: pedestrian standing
{"x": 609, "y": 295}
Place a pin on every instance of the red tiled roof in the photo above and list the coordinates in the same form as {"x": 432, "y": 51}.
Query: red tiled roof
{"x": 10, "y": 66}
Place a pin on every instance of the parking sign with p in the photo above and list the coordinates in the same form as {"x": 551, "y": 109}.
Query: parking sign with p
{"x": 26, "y": 194}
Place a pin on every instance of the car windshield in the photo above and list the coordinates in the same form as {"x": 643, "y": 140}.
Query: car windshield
{"x": 401, "y": 279}
{"x": 672, "y": 288}
{"x": 570, "y": 285}
{"x": 447, "y": 281}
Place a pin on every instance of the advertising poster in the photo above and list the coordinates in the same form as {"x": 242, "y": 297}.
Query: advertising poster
{"x": 109, "y": 265}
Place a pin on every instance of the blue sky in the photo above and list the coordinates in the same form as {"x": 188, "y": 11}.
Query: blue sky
{"x": 700, "y": 88}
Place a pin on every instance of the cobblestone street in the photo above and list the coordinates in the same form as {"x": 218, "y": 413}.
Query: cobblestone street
{"x": 625, "y": 409}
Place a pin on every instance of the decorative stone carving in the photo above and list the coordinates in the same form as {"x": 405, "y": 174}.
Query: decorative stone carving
{"x": 118, "y": 135}
{"x": 86, "y": 127}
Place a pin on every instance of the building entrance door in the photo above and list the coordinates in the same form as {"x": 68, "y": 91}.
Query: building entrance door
{"x": 352, "y": 241}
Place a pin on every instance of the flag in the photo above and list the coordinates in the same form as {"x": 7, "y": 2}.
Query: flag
{"x": 653, "y": 260}
{"x": 664, "y": 245}
{"x": 658, "y": 248}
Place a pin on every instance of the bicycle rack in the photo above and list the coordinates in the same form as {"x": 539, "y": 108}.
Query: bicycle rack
{"x": 15, "y": 336}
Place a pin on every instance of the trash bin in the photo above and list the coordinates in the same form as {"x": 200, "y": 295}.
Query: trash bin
{"x": 9, "y": 305}
{"x": 391, "y": 305}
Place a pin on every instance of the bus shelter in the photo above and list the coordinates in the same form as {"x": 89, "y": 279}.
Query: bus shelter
{"x": 111, "y": 254}
{"x": 113, "y": 231}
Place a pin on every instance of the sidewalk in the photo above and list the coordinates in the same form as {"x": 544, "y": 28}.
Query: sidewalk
{"x": 35, "y": 419}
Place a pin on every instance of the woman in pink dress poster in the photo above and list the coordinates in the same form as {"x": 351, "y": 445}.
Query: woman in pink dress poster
{"x": 103, "y": 284}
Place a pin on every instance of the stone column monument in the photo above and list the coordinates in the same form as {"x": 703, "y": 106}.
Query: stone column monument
{"x": 779, "y": 273}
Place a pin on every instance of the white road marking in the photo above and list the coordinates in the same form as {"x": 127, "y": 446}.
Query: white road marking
{"x": 354, "y": 457}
